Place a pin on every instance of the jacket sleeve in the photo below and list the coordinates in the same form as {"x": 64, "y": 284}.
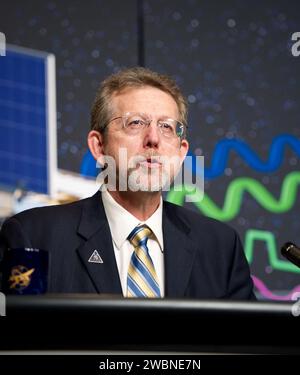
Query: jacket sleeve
{"x": 240, "y": 285}
{"x": 12, "y": 236}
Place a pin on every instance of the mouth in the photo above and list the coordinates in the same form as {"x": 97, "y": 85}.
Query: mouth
{"x": 151, "y": 162}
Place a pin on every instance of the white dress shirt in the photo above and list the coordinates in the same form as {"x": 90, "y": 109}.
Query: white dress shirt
{"x": 121, "y": 223}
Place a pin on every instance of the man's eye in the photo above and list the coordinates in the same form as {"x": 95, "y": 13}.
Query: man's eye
{"x": 167, "y": 127}
{"x": 136, "y": 122}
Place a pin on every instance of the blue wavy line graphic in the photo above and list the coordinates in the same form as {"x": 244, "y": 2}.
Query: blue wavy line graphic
{"x": 223, "y": 148}
{"x": 221, "y": 155}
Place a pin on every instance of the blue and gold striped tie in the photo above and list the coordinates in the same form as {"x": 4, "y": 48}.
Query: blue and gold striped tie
{"x": 142, "y": 278}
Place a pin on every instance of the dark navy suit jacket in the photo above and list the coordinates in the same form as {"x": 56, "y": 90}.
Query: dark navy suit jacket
{"x": 204, "y": 258}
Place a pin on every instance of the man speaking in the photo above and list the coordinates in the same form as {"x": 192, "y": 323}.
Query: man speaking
{"x": 125, "y": 239}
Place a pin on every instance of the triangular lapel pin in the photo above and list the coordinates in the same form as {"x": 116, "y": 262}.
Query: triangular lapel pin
{"x": 95, "y": 257}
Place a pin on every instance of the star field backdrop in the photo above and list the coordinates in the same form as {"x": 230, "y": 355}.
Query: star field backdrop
{"x": 234, "y": 63}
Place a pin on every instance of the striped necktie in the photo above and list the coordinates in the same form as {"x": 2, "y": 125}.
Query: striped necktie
{"x": 141, "y": 278}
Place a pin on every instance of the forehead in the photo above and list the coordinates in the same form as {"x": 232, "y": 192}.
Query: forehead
{"x": 145, "y": 99}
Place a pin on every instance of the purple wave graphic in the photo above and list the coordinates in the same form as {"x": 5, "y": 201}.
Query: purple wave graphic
{"x": 261, "y": 287}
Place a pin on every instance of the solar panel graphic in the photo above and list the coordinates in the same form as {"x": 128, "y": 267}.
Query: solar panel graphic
{"x": 27, "y": 120}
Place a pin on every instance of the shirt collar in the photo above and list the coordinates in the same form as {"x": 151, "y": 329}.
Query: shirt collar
{"x": 122, "y": 222}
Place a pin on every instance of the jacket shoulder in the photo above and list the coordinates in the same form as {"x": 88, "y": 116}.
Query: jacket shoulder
{"x": 49, "y": 214}
{"x": 195, "y": 220}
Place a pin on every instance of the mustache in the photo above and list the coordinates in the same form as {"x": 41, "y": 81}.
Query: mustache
{"x": 148, "y": 156}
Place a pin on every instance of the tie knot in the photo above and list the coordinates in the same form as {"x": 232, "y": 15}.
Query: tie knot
{"x": 139, "y": 236}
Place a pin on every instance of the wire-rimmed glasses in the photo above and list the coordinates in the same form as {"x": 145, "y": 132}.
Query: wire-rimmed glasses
{"x": 134, "y": 123}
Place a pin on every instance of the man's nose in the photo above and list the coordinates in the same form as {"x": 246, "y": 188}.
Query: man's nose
{"x": 152, "y": 135}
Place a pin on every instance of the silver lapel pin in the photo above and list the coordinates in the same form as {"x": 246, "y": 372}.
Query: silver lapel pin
{"x": 95, "y": 257}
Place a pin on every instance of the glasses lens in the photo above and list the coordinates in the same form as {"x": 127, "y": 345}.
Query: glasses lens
{"x": 171, "y": 128}
{"x": 134, "y": 122}
{"x": 179, "y": 129}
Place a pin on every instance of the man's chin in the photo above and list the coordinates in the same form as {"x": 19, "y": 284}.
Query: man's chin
{"x": 151, "y": 187}
{"x": 146, "y": 183}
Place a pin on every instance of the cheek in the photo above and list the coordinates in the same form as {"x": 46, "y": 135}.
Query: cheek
{"x": 121, "y": 148}
{"x": 131, "y": 146}
{"x": 171, "y": 150}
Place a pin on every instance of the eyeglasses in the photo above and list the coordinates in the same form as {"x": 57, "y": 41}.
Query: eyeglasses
{"x": 134, "y": 123}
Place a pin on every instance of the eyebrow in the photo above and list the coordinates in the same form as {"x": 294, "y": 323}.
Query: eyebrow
{"x": 163, "y": 117}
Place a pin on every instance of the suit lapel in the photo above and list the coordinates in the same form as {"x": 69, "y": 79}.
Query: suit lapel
{"x": 94, "y": 228}
{"x": 179, "y": 250}
{"x": 179, "y": 253}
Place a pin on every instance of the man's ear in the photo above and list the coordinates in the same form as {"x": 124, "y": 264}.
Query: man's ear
{"x": 184, "y": 147}
{"x": 96, "y": 147}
